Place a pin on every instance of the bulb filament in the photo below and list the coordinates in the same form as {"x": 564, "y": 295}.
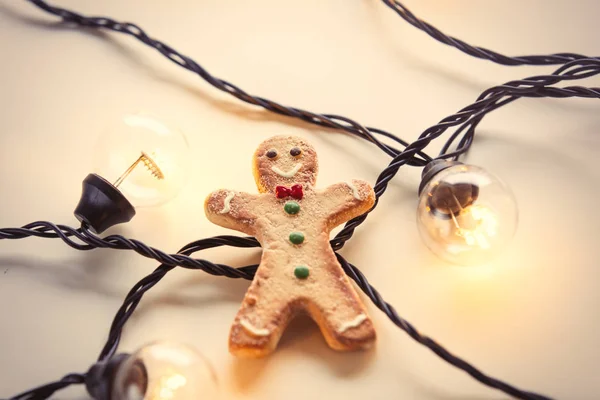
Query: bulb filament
{"x": 481, "y": 224}
{"x": 150, "y": 165}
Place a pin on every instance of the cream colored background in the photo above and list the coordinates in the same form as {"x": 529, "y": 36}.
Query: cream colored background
{"x": 531, "y": 318}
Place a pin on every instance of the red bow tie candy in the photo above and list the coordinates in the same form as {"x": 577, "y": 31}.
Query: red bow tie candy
{"x": 295, "y": 192}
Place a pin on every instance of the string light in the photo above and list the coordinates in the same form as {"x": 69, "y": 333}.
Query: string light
{"x": 473, "y": 224}
{"x": 465, "y": 215}
{"x": 162, "y": 370}
{"x": 138, "y": 162}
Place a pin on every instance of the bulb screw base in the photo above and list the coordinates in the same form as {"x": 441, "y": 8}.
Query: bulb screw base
{"x": 447, "y": 200}
{"x": 100, "y": 376}
{"x": 432, "y": 169}
{"x": 102, "y": 205}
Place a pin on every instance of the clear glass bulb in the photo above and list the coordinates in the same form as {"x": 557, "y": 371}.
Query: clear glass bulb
{"x": 165, "y": 371}
{"x": 466, "y": 215}
{"x": 144, "y": 158}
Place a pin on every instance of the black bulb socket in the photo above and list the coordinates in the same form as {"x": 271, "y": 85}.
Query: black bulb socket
{"x": 102, "y": 205}
{"x": 99, "y": 378}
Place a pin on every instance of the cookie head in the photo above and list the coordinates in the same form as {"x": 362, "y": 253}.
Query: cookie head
{"x": 284, "y": 161}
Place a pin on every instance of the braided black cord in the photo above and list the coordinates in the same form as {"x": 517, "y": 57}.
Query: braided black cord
{"x": 468, "y": 117}
{"x": 408, "y": 156}
{"x": 324, "y": 120}
{"x": 45, "y": 391}
{"x": 469, "y": 129}
{"x": 136, "y": 293}
{"x": 530, "y": 87}
{"x": 480, "y": 52}
{"x": 46, "y": 230}
{"x": 354, "y": 273}
{"x": 139, "y": 289}
{"x": 91, "y": 241}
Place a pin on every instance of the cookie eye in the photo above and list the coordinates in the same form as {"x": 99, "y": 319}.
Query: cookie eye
{"x": 272, "y": 153}
{"x": 295, "y": 151}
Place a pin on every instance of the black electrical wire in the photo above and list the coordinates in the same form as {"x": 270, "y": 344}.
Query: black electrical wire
{"x": 466, "y": 120}
{"x": 480, "y": 52}
{"x": 136, "y": 293}
{"x": 354, "y": 273}
{"x": 139, "y": 289}
{"x": 90, "y": 241}
{"x": 576, "y": 70}
{"x": 48, "y": 389}
{"x": 489, "y": 100}
{"x": 536, "y": 86}
{"x": 469, "y": 117}
{"x": 324, "y": 120}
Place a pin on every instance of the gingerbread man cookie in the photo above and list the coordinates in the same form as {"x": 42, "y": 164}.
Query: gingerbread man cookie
{"x": 298, "y": 271}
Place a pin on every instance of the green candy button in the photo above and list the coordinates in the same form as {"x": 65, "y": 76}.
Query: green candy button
{"x": 291, "y": 207}
{"x": 301, "y": 272}
{"x": 297, "y": 237}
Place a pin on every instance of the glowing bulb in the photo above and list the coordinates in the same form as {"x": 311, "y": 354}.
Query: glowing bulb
{"x": 138, "y": 162}
{"x": 164, "y": 371}
{"x": 465, "y": 215}
{"x": 144, "y": 158}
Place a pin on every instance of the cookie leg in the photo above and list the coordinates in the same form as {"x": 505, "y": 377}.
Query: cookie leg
{"x": 342, "y": 318}
{"x": 259, "y": 324}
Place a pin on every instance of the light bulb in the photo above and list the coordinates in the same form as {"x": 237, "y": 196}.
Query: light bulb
{"x": 138, "y": 162}
{"x": 164, "y": 371}
{"x": 143, "y": 158}
{"x": 465, "y": 215}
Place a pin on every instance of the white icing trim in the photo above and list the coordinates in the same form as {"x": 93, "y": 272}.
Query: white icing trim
{"x": 355, "y": 192}
{"x": 254, "y": 330}
{"x": 227, "y": 203}
{"x": 288, "y": 174}
{"x": 354, "y": 323}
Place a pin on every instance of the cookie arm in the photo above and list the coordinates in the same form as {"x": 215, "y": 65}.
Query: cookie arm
{"x": 231, "y": 209}
{"x": 347, "y": 200}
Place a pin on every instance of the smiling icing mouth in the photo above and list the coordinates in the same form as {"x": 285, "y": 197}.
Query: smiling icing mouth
{"x": 289, "y": 173}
